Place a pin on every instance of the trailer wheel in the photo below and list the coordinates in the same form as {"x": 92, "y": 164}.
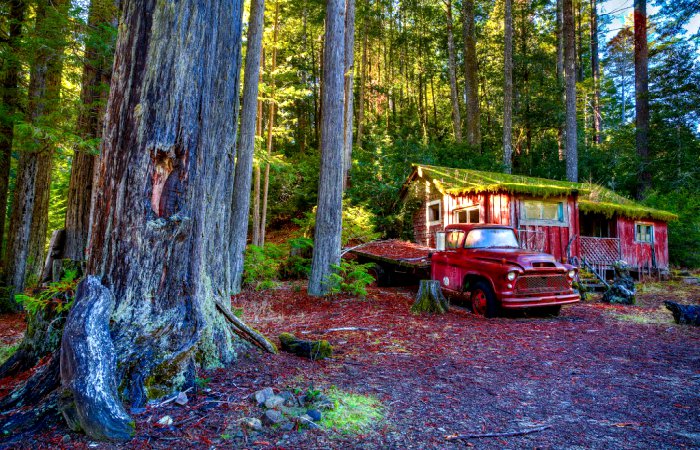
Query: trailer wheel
{"x": 483, "y": 300}
{"x": 379, "y": 274}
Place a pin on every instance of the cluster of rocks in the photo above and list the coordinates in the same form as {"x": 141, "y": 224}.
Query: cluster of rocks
{"x": 287, "y": 410}
{"x": 622, "y": 290}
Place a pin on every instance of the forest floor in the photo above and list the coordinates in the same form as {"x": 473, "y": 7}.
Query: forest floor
{"x": 597, "y": 376}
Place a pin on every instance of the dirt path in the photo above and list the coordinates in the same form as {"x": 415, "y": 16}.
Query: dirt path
{"x": 600, "y": 376}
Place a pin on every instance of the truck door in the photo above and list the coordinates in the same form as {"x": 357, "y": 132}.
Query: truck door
{"x": 450, "y": 273}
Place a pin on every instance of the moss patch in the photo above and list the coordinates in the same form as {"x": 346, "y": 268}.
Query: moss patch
{"x": 353, "y": 413}
{"x": 659, "y": 316}
{"x": 6, "y": 351}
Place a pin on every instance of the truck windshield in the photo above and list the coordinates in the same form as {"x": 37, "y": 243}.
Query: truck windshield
{"x": 491, "y": 237}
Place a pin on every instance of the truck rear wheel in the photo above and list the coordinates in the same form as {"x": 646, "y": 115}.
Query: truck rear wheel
{"x": 483, "y": 300}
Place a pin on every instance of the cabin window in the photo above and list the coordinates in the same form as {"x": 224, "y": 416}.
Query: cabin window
{"x": 541, "y": 211}
{"x": 434, "y": 212}
{"x": 643, "y": 232}
{"x": 454, "y": 239}
{"x": 467, "y": 215}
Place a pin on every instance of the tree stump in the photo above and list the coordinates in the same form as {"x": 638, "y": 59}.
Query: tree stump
{"x": 430, "y": 298}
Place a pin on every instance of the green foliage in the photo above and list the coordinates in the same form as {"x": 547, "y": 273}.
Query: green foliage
{"x": 684, "y": 233}
{"x": 358, "y": 224}
{"x": 298, "y": 264}
{"x": 261, "y": 266}
{"x": 349, "y": 278}
{"x": 6, "y": 351}
{"x": 353, "y": 413}
{"x": 60, "y": 295}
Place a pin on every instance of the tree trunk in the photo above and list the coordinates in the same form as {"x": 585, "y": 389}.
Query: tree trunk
{"x": 430, "y": 298}
{"x": 349, "y": 76}
{"x": 330, "y": 187}
{"x": 595, "y": 71}
{"x": 451, "y": 69}
{"x": 93, "y": 95}
{"x": 28, "y": 223}
{"x": 570, "y": 76}
{"x": 10, "y": 99}
{"x": 508, "y": 90}
{"x": 159, "y": 245}
{"x": 361, "y": 94}
{"x": 560, "y": 41}
{"x": 270, "y": 127}
{"x": 246, "y": 148}
{"x": 641, "y": 95}
{"x": 471, "y": 75}
{"x": 256, "y": 177}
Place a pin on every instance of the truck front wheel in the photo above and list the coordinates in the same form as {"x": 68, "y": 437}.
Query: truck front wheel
{"x": 483, "y": 300}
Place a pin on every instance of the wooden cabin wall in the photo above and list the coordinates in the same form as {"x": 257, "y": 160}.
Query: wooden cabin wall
{"x": 638, "y": 254}
{"x": 423, "y": 232}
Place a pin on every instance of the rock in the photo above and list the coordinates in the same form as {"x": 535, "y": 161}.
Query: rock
{"x": 181, "y": 399}
{"x": 301, "y": 400}
{"x": 684, "y": 314}
{"x": 315, "y": 414}
{"x": 323, "y": 402}
{"x": 274, "y": 402}
{"x": 65, "y": 439}
{"x": 262, "y": 395}
{"x": 622, "y": 290}
{"x": 287, "y": 426}
{"x": 272, "y": 417}
{"x": 307, "y": 421}
{"x": 165, "y": 421}
{"x": 252, "y": 423}
{"x": 289, "y": 399}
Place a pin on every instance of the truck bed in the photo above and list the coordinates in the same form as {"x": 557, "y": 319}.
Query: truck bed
{"x": 396, "y": 252}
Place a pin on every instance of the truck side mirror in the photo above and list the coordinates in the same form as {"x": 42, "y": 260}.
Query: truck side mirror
{"x": 440, "y": 241}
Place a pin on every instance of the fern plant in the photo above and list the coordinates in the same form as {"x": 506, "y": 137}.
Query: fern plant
{"x": 349, "y": 277}
{"x": 60, "y": 295}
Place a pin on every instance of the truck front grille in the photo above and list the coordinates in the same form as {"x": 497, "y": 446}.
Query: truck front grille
{"x": 540, "y": 284}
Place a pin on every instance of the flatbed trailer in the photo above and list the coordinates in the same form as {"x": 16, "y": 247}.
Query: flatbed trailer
{"x": 395, "y": 262}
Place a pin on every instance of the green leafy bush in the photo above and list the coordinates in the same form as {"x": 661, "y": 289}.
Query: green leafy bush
{"x": 358, "y": 224}
{"x": 298, "y": 263}
{"x": 261, "y": 266}
{"x": 60, "y": 295}
{"x": 349, "y": 278}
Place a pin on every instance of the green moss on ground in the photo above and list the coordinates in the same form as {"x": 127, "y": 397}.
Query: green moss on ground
{"x": 353, "y": 413}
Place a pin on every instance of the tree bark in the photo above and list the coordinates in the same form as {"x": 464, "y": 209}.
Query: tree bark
{"x": 348, "y": 95}
{"x": 256, "y": 166}
{"x": 560, "y": 41}
{"x": 570, "y": 81}
{"x": 471, "y": 75}
{"x": 330, "y": 187}
{"x": 93, "y": 95}
{"x": 160, "y": 235}
{"x": 246, "y": 148}
{"x": 430, "y": 298}
{"x": 452, "y": 71}
{"x": 361, "y": 94}
{"x": 270, "y": 127}
{"x": 508, "y": 89}
{"x": 10, "y": 99}
{"x": 595, "y": 71}
{"x": 641, "y": 95}
{"x": 29, "y": 219}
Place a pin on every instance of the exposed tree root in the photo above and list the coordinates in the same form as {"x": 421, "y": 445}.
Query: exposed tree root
{"x": 246, "y": 332}
{"x": 430, "y": 298}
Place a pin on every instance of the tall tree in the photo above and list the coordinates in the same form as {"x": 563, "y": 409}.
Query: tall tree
{"x": 99, "y": 52}
{"x": 508, "y": 89}
{"x": 595, "y": 72}
{"x": 159, "y": 246}
{"x": 327, "y": 234}
{"x": 471, "y": 75}
{"x": 240, "y": 211}
{"x": 11, "y": 67}
{"x": 30, "y": 207}
{"x": 363, "y": 80}
{"x": 349, "y": 76}
{"x": 570, "y": 89}
{"x": 452, "y": 72}
{"x": 641, "y": 95}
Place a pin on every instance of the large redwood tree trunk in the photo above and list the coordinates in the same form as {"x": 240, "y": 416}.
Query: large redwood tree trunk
{"x": 159, "y": 246}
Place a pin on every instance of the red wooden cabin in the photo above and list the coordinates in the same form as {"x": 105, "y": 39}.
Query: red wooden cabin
{"x": 575, "y": 222}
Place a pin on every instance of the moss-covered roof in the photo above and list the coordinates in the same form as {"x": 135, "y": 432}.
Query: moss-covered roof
{"x": 592, "y": 197}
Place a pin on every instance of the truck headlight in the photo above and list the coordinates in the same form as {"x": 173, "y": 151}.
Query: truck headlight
{"x": 572, "y": 273}
{"x": 511, "y": 276}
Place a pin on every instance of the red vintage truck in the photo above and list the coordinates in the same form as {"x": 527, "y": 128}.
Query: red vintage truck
{"x": 483, "y": 261}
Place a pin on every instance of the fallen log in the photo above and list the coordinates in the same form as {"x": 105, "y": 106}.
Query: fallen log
{"x": 313, "y": 350}
{"x": 430, "y": 298}
{"x": 684, "y": 314}
{"x": 456, "y": 437}
{"x": 246, "y": 332}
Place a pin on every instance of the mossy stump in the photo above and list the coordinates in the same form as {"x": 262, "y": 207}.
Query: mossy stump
{"x": 430, "y": 299}
{"x": 313, "y": 350}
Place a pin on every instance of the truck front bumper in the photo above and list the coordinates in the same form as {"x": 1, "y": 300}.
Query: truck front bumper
{"x": 516, "y": 302}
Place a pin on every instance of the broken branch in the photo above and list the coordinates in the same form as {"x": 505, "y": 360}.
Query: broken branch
{"x": 504, "y": 434}
{"x": 246, "y": 332}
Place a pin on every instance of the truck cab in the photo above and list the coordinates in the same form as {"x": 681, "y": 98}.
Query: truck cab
{"x": 487, "y": 263}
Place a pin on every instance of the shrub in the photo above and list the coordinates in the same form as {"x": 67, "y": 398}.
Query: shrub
{"x": 358, "y": 224}
{"x": 298, "y": 263}
{"x": 261, "y": 266}
{"x": 349, "y": 278}
{"x": 60, "y": 295}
